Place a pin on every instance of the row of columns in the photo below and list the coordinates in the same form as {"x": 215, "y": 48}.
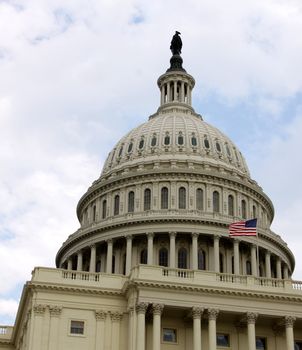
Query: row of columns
{"x": 197, "y": 312}
{"x": 172, "y": 259}
{"x": 184, "y": 97}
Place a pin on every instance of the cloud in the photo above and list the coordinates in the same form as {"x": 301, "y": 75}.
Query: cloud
{"x": 76, "y": 76}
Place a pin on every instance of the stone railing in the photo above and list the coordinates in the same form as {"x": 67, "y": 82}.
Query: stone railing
{"x": 297, "y": 285}
{"x": 6, "y": 332}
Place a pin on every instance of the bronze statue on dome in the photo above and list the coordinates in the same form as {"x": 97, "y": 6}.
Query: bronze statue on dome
{"x": 176, "y": 44}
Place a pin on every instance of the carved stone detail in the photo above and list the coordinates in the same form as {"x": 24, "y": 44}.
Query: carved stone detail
{"x": 213, "y": 314}
{"x": 251, "y": 317}
{"x": 116, "y": 316}
{"x": 197, "y": 312}
{"x": 289, "y": 321}
{"x": 55, "y": 311}
{"x": 39, "y": 309}
{"x": 157, "y": 309}
{"x": 141, "y": 308}
{"x": 100, "y": 315}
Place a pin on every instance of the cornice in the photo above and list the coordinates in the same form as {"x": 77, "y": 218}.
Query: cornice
{"x": 217, "y": 291}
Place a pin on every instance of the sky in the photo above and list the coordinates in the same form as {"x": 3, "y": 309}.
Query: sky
{"x": 75, "y": 76}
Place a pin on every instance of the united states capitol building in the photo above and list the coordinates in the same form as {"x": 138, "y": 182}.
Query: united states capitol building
{"x": 152, "y": 266}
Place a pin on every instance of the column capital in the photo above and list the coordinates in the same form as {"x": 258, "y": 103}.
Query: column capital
{"x": 116, "y": 316}
{"x": 129, "y": 237}
{"x": 172, "y": 234}
{"x": 100, "y": 315}
{"x": 213, "y": 314}
{"x": 217, "y": 237}
{"x": 79, "y": 252}
{"x": 195, "y": 234}
{"x": 150, "y": 234}
{"x": 254, "y": 246}
{"x": 109, "y": 241}
{"x": 55, "y": 311}
{"x": 92, "y": 246}
{"x": 157, "y": 309}
{"x": 289, "y": 321}
{"x": 251, "y": 317}
{"x": 141, "y": 308}
{"x": 267, "y": 253}
{"x": 197, "y": 312}
{"x": 39, "y": 309}
{"x": 236, "y": 240}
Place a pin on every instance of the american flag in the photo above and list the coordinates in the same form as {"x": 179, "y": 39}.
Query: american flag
{"x": 243, "y": 228}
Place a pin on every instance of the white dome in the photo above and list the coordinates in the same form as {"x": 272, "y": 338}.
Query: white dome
{"x": 175, "y": 134}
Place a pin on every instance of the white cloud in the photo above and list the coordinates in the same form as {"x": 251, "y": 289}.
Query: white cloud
{"x": 75, "y": 76}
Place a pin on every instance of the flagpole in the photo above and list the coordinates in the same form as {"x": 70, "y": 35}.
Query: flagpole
{"x": 258, "y": 258}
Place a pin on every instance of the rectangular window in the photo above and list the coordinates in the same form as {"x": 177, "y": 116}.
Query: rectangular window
{"x": 77, "y": 327}
{"x": 261, "y": 343}
{"x": 223, "y": 340}
{"x": 169, "y": 335}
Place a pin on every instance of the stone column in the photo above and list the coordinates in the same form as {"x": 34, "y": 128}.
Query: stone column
{"x": 55, "y": 313}
{"x": 162, "y": 98}
{"x": 236, "y": 256}
{"x": 278, "y": 268}
{"x": 196, "y": 313}
{"x": 289, "y": 331}
{"x": 172, "y": 249}
{"x": 285, "y": 272}
{"x": 128, "y": 254}
{"x": 268, "y": 271}
{"x": 37, "y": 336}
{"x": 168, "y": 92}
{"x": 157, "y": 310}
{"x": 175, "y": 90}
{"x": 141, "y": 309}
{"x": 150, "y": 248}
{"x": 69, "y": 264}
{"x": 115, "y": 333}
{"x": 182, "y": 91}
{"x": 254, "y": 260}
{"x": 251, "y": 334}
{"x": 109, "y": 256}
{"x": 216, "y": 253}
{"x": 92, "y": 258}
{"x": 80, "y": 261}
{"x": 212, "y": 315}
{"x": 130, "y": 327}
{"x": 195, "y": 251}
{"x": 100, "y": 317}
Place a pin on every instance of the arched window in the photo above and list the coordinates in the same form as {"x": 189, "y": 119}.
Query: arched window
{"x": 182, "y": 258}
{"x": 130, "y": 202}
{"x": 163, "y": 257}
{"x": 228, "y": 150}
{"x": 130, "y": 147}
{"x": 164, "y": 198}
{"x": 243, "y": 209}
{"x": 199, "y": 199}
{"x": 182, "y": 198}
{"x": 194, "y": 141}
{"x": 141, "y": 144}
{"x": 248, "y": 267}
{"x": 153, "y": 141}
{"x": 167, "y": 140}
{"x": 216, "y": 202}
{"x": 120, "y": 151}
{"x": 218, "y": 147}
{"x": 201, "y": 260}
{"x": 254, "y": 212}
{"x": 116, "y": 209}
{"x": 180, "y": 140}
{"x": 147, "y": 199}
{"x": 104, "y": 209}
{"x": 144, "y": 256}
{"x": 231, "y": 205}
{"x": 206, "y": 143}
{"x": 221, "y": 265}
